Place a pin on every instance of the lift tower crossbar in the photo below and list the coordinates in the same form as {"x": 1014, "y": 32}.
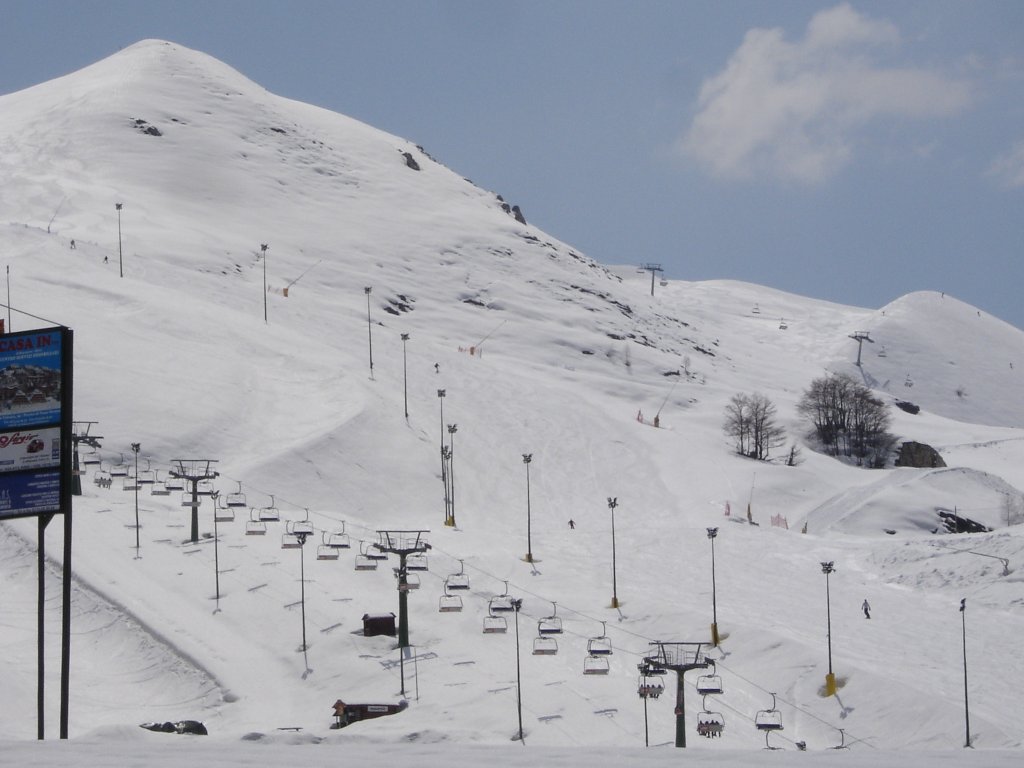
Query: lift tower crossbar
{"x": 194, "y": 470}
{"x": 680, "y": 658}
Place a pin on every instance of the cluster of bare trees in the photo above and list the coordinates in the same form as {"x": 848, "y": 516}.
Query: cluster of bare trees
{"x": 848, "y": 419}
{"x": 750, "y": 420}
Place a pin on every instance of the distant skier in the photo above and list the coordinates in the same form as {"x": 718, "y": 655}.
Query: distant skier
{"x": 866, "y": 607}
{"x": 72, "y": 245}
{"x": 437, "y": 367}
{"x": 572, "y": 525}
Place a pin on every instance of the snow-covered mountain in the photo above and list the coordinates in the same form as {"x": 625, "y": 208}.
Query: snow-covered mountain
{"x": 299, "y": 394}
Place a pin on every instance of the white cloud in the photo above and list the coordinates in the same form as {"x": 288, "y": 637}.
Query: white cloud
{"x": 792, "y": 109}
{"x": 1009, "y": 167}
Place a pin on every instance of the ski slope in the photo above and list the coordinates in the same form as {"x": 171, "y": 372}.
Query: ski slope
{"x": 539, "y": 350}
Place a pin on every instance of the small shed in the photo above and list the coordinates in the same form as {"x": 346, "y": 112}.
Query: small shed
{"x": 346, "y": 714}
{"x": 379, "y": 624}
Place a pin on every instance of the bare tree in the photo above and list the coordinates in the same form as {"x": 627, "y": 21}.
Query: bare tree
{"x": 751, "y": 421}
{"x": 848, "y": 419}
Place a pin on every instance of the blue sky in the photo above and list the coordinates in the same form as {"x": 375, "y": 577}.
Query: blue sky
{"x": 852, "y": 152}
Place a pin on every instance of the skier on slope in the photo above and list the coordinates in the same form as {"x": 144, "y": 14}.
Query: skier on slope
{"x": 866, "y": 607}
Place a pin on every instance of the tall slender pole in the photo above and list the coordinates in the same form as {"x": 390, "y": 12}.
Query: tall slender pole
{"x": 712, "y": 533}
{"x": 405, "y": 376}
{"x": 516, "y": 605}
{"x": 612, "y": 504}
{"x": 40, "y": 627}
{"x": 216, "y": 554}
{"x": 452, "y": 429}
{"x": 120, "y": 258}
{"x": 10, "y": 326}
{"x": 263, "y": 250}
{"x": 830, "y": 679}
{"x": 135, "y": 449}
{"x": 967, "y": 715}
{"x": 302, "y": 582}
{"x": 369, "y": 327}
{"x": 527, "y": 458}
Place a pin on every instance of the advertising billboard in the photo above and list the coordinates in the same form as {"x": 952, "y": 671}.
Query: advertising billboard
{"x": 35, "y": 421}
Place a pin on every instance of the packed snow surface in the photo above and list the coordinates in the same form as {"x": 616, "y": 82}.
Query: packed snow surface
{"x": 298, "y": 395}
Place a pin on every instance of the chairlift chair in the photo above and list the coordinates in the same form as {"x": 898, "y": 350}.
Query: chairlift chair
{"x": 768, "y": 719}
{"x": 458, "y": 581}
{"x": 550, "y": 625}
{"x": 365, "y": 561}
{"x": 336, "y": 539}
{"x": 501, "y": 603}
{"x": 601, "y": 645}
{"x": 650, "y": 686}
{"x": 327, "y": 552}
{"x": 270, "y": 513}
{"x": 205, "y": 487}
{"x": 416, "y": 562}
{"x": 236, "y": 498}
{"x": 147, "y": 475}
{"x": 254, "y": 526}
{"x": 368, "y": 550}
{"x": 595, "y": 664}
{"x": 159, "y": 488}
{"x": 449, "y": 604}
{"x": 101, "y": 478}
{"x": 545, "y": 645}
{"x": 709, "y": 684}
{"x": 91, "y": 457}
{"x": 304, "y": 527}
{"x": 130, "y": 484}
{"x": 494, "y": 625}
{"x": 412, "y": 581}
{"x": 710, "y": 724}
{"x": 119, "y": 470}
{"x": 782, "y": 324}
{"x": 188, "y": 501}
{"x": 223, "y": 513}
{"x": 175, "y": 483}
{"x": 290, "y": 541}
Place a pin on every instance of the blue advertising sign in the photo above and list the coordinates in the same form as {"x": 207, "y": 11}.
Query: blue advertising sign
{"x": 35, "y": 422}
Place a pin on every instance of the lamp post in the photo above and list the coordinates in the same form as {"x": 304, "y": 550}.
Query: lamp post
{"x": 136, "y": 447}
{"x": 612, "y": 504}
{"x": 369, "y": 329}
{"x": 216, "y": 554}
{"x": 120, "y": 259}
{"x": 444, "y": 455}
{"x": 405, "y": 376}
{"x": 301, "y": 537}
{"x": 516, "y": 605}
{"x": 452, "y": 429}
{"x": 527, "y": 458}
{"x": 830, "y": 679}
{"x": 967, "y": 716}
{"x": 712, "y": 533}
{"x": 263, "y": 250}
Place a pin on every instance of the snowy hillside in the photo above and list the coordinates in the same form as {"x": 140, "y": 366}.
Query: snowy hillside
{"x": 539, "y": 351}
